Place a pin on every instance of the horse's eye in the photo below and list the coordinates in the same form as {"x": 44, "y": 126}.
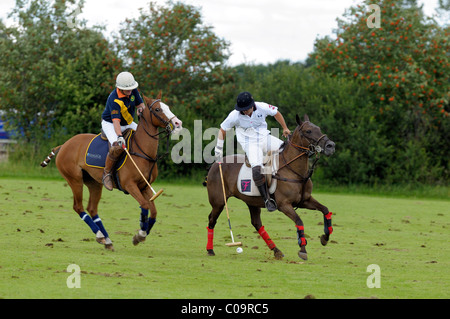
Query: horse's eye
{"x": 308, "y": 132}
{"x": 157, "y": 109}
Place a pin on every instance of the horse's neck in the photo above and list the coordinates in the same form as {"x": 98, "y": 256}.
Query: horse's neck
{"x": 147, "y": 143}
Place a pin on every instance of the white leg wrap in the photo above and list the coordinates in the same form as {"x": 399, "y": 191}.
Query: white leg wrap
{"x": 142, "y": 233}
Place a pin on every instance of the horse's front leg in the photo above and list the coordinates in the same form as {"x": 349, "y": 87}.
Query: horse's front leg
{"x": 146, "y": 221}
{"x": 289, "y": 211}
{"x": 313, "y": 204}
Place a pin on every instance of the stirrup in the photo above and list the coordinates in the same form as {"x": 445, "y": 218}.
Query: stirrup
{"x": 271, "y": 205}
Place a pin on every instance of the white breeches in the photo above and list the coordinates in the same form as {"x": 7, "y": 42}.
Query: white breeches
{"x": 257, "y": 147}
{"x": 110, "y": 133}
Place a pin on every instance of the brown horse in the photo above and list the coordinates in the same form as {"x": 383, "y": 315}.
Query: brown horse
{"x": 293, "y": 189}
{"x": 143, "y": 148}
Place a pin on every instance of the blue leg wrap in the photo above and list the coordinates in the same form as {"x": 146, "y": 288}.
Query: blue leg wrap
{"x": 146, "y": 222}
{"x": 99, "y": 224}
{"x": 151, "y": 222}
{"x": 144, "y": 219}
{"x": 88, "y": 220}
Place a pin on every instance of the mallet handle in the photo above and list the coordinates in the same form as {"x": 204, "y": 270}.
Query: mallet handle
{"x": 224, "y": 195}
{"x": 142, "y": 175}
{"x": 226, "y": 208}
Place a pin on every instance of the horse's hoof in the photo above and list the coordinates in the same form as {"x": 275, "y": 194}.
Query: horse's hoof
{"x": 278, "y": 254}
{"x": 303, "y": 255}
{"x": 109, "y": 247}
{"x": 101, "y": 240}
{"x": 211, "y": 252}
{"x": 324, "y": 240}
{"x": 138, "y": 239}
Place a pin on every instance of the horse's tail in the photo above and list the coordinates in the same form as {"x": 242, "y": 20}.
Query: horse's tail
{"x": 50, "y": 156}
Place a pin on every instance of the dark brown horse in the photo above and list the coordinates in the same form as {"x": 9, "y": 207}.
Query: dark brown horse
{"x": 143, "y": 148}
{"x": 293, "y": 189}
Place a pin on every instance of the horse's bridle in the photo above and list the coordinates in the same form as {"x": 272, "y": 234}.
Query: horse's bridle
{"x": 168, "y": 129}
{"x": 312, "y": 149}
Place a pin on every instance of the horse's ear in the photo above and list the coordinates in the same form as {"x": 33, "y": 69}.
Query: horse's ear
{"x": 306, "y": 118}
{"x": 297, "y": 119}
{"x": 159, "y": 95}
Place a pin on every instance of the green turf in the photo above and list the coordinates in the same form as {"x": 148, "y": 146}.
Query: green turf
{"x": 40, "y": 236}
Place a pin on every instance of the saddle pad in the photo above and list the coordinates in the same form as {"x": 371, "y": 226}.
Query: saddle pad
{"x": 97, "y": 151}
{"x": 247, "y": 186}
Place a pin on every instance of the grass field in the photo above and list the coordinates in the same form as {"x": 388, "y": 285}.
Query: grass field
{"x": 40, "y": 236}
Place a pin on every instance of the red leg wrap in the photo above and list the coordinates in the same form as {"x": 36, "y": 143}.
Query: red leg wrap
{"x": 209, "y": 245}
{"x": 327, "y": 223}
{"x": 303, "y": 241}
{"x": 262, "y": 232}
{"x": 301, "y": 235}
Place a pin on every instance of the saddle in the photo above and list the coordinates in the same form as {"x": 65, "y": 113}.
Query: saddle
{"x": 98, "y": 149}
{"x": 245, "y": 183}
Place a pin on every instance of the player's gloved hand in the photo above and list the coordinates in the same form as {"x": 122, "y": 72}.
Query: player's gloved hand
{"x": 218, "y": 150}
{"x": 121, "y": 141}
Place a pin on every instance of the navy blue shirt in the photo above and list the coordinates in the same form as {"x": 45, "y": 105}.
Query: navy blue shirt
{"x": 121, "y": 107}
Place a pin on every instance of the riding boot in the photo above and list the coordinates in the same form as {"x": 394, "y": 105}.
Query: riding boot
{"x": 260, "y": 182}
{"x": 111, "y": 159}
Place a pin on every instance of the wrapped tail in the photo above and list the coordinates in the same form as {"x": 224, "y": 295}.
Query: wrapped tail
{"x": 50, "y": 156}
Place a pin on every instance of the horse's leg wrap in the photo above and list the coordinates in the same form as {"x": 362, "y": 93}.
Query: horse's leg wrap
{"x": 144, "y": 219}
{"x": 146, "y": 222}
{"x": 210, "y": 245}
{"x": 88, "y": 220}
{"x": 151, "y": 222}
{"x": 99, "y": 224}
{"x": 301, "y": 235}
{"x": 327, "y": 224}
{"x": 262, "y": 232}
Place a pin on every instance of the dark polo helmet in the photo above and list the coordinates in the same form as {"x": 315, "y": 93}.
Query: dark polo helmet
{"x": 244, "y": 101}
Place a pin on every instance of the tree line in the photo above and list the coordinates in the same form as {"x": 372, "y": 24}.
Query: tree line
{"x": 382, "y": 94}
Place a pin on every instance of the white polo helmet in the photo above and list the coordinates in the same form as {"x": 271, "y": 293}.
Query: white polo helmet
{"x": 125, "y": 81}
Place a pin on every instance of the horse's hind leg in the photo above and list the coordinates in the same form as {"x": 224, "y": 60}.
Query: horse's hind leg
{"x": 95, "y": 193}
{"x": 74, "y": 178}
{"x": 255, "y": 214}
{"x": 212, "y": 220}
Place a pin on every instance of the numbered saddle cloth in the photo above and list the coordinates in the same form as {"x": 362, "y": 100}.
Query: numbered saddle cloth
{"x": 245, "y": 183}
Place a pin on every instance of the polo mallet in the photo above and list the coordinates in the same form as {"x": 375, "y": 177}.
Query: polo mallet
{"x": 155, "y": 194}
{"x": 226, "y": 208}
